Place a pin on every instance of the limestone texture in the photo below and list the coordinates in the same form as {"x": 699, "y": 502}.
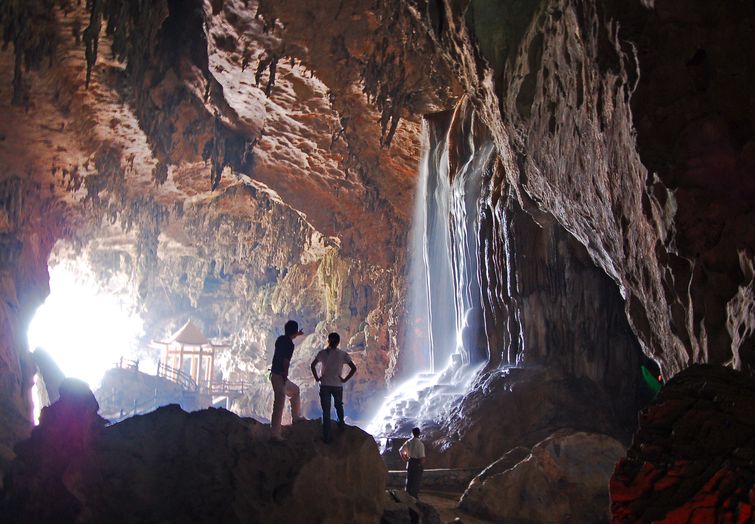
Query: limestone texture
{"x": 563, "y": 478}
{"x": 517, "y": 407}
{"x": 402, "y": 508}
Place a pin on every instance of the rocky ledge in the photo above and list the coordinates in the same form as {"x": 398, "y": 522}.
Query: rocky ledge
{"x": 170, "y": 466}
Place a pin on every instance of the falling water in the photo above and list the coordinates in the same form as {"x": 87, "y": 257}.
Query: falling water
{"x": 431, "y": 227}
{"x": 444, "y": 290}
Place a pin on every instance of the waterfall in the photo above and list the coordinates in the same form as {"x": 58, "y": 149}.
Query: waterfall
{"x": 434, "y": 232}
{"x": 444, "y": 322}
{"x": 474, "y": 165}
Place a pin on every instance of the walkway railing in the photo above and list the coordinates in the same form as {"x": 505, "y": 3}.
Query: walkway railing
{"x": 181, "y": 378}
{"x": 187, "y": 383}
{"x": 226, "y": 387}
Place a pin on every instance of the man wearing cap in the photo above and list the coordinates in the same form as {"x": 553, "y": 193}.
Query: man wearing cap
{"x": 282, "y": 387}
{"x": 413, "y": 453}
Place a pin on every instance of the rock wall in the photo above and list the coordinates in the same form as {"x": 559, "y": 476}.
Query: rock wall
{"x": 544, "y": 306}
{"x": 569, "y": 470}
{"x": 555, "y": 85}
{"x": 29, "y": 223}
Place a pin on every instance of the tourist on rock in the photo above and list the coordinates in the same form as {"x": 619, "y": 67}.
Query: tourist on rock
{"x": 332, "y": 361}
{"x": 282, "y": 387}
{"x": 413, "y": 453}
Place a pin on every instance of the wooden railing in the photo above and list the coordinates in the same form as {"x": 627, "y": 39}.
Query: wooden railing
{"x": 186, "y": 382}
{"x": 138, "y": 408}
{"x": 181, "y": 378}
{"x": 226, "y": 387}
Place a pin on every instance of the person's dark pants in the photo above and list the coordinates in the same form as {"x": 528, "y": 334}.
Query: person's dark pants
{"x": 325, "y": 393}
{"x": 414, "y": 471}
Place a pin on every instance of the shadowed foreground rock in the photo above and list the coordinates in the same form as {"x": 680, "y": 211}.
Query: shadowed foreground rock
{"x": 402, "y": 508}
{"x": 563, "y": 479}
{"x": 210, "y": 466}
{"x": 693, "y": 457}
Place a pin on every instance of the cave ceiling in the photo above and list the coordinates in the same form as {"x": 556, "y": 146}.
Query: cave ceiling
{"x": 180, "y": 103}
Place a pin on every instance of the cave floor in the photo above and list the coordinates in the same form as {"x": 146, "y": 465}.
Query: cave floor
{"x": 446, "y": 504}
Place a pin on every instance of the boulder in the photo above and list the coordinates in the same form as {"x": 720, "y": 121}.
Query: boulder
{"x": 563, "y": 479}
{"x": 207, "y": 466}
{"x": 693, "y": 456}
{"x": 519, "y": 407}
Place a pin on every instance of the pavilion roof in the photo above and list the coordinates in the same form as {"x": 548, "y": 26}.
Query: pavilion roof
{"x": 188, "y": 335}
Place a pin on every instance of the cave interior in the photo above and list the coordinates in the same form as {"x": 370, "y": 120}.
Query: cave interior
{"x": 531, "y": 222}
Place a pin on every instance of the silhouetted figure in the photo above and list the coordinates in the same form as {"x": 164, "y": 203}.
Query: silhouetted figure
{"x": 413, "y": 453}
{"x": 282, "y": 387}
{"x": 332, "y": 361}
{"x": 35, "y": 482}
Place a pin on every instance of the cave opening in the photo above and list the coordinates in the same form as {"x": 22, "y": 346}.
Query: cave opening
{"x": 84, "y": 328}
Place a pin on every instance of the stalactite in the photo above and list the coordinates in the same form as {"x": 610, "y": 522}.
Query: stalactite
{"x": 32, "y": 28}
{"x": 92, "y": 36}
{"x": 269, "y": 62}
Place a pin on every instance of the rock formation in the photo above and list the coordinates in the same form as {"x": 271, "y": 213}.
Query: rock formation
{"x": 563, "y": 478}
{"x": 173, "y": 466}
{"x": 402, "y": 508}
{"x": 693, "y": 456}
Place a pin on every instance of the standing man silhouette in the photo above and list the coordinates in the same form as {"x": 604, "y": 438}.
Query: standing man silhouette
{"x": 332, "y": 361}
{"x": 413, "y": 453}
{"x": 282, "y": 387}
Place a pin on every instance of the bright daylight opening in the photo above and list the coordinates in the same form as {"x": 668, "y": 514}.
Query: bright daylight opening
{"x": 85, "y": 330}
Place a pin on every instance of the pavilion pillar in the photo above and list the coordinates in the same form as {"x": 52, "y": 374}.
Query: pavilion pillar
{"x": 199, "y": 369}
{"x": 212, "y": 365}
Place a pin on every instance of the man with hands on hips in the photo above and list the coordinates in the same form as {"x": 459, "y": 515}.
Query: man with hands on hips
{"x": 331, "y": 362}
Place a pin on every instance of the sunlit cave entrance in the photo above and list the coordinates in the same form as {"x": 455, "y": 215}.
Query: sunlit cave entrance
{"x": 92, "y": 328}
{"x": 82, "y": 330}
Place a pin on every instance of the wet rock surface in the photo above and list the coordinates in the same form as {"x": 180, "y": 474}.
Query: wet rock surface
{"x": 517, "y": 407}
{"x": 206, "y": 466}
{"x": 564, "y": 478}
{"x": 693, "y": 456}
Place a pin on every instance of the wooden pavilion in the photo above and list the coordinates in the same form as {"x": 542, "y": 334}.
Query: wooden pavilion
{"x": 188, "y": 354}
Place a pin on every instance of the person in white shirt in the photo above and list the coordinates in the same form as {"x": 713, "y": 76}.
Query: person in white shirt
{"x": 413, "y": 453}
{"x": 331, "y": 382}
